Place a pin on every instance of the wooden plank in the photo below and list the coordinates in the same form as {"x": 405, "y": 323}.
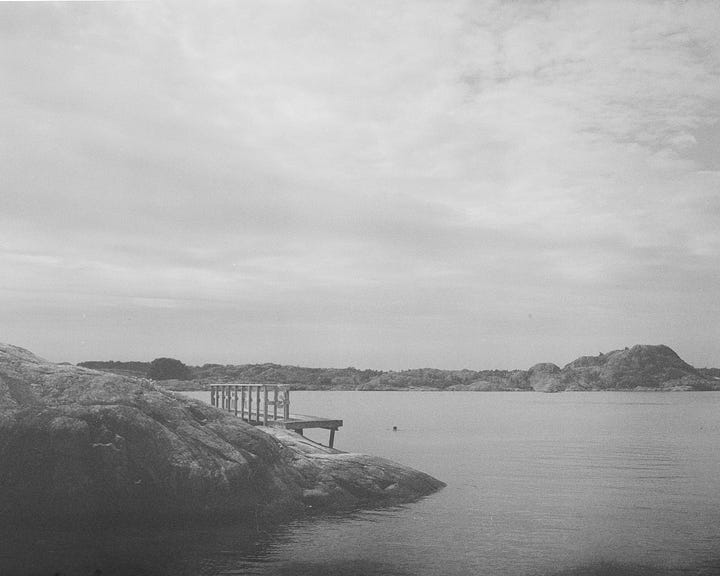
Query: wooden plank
{"x": 313, "y": 422}
{"x": 298, "y": 423}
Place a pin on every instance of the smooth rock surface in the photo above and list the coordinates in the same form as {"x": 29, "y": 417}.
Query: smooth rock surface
{"x": 77, "y": 442}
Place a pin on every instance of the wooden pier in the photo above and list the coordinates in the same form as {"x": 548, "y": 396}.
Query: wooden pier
{"x": 267, "y": 405}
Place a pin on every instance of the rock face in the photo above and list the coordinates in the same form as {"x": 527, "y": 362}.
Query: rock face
{"x": 77, "y": 442}
{"x": 545, "y": 377}
{"x": 640, "y": 367}
{"x": 332, "y": 478}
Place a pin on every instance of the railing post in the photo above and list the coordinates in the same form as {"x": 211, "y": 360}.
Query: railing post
{"x": 250, "y": 402}
{"x": 257, "y": 404}
{"x": 235, "y": 391}
{"x": 212, "y": 396}
{"x": 286, "y": 404}
{"x": 242, "y": 402}
{"x": 265, "y": 404}
{"x": 275, "y": 402}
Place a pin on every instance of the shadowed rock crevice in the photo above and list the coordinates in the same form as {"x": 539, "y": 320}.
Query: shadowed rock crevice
{"x": 76, "y": 442}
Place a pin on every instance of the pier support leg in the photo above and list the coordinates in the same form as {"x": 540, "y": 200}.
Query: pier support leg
{"x": 332, "y": 437}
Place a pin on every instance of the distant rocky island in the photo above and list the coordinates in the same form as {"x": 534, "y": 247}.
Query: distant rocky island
{"x": 641, "y": 367}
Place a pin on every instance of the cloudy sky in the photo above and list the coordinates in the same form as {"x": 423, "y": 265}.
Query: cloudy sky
{"x": 368, "y": 183}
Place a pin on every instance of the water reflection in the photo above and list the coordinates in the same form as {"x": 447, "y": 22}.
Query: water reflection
{"x": 179, "y": 549}
{"x": 131, "y": 550}
{"x": 370, "y": 568}
{"x": 616, "y": 569}
{"x": 359, "y": 567}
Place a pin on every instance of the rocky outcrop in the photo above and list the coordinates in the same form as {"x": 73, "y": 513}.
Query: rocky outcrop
{"x": 77, "y": 442}
{"x": 642, "y": 367}
{"x": 331, "y": 477}
{"x": 545, "y": 377}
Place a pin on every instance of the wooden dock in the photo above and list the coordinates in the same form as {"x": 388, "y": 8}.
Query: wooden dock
{"x": 267, "y": 405}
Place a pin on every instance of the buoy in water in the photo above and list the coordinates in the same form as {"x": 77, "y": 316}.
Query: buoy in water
{"x": 394, "y": 428}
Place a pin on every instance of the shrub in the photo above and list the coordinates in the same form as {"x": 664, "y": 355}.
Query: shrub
{"x": 168, "y": 369}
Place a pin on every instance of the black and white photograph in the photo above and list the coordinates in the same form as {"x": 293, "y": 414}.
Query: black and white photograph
{"x": 360, "y": 288}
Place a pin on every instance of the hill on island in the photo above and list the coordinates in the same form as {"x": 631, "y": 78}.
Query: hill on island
{"x": 642, "y": 367}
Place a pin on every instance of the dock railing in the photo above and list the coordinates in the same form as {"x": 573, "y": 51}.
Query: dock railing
{"x": 254, "y": 403}
{"x": 269, "y": 405}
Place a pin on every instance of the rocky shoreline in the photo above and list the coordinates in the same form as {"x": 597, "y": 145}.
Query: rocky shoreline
{"x": 78, "y": 443}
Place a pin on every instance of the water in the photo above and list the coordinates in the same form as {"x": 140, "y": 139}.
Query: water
{"x": 598, "y": 483}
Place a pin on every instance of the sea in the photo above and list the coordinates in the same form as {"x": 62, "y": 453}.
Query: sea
{"x": 567, "y": 484}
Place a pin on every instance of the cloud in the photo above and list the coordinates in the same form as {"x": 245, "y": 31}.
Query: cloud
{"x": 329, "y": 174}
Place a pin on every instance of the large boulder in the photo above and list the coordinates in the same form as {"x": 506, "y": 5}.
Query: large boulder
{"x": 77, "y": 442}
{"x": 545, "y": 377}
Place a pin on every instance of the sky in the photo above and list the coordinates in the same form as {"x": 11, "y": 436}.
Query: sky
{"x": 375, "y": 184}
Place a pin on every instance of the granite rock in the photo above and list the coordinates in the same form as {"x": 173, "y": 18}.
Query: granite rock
{"x": 78, "y": 442}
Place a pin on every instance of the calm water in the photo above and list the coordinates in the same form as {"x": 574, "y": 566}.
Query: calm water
{"x": 538, "y": 484}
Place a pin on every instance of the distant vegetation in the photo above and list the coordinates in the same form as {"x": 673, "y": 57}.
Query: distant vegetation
{"x": 169, "y": 369}
{"x": 298, "y": 377}
{"x": 712, "y": 373}
{"x": 432, "y": 378}
{"x": 158, "y": 369}
{"x": 640, "y": 367}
